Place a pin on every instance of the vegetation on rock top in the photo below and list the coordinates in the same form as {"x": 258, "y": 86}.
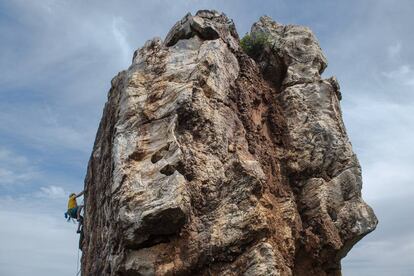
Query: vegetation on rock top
{"x": 254, "y": 45}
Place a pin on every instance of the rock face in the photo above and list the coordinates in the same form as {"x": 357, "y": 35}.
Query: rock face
{"x": 208, "y": 162}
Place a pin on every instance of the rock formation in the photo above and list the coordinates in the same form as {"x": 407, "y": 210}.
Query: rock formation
{"x": 210, "y": 162}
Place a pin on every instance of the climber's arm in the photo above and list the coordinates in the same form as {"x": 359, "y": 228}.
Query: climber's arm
{"x": 81, "y": 193}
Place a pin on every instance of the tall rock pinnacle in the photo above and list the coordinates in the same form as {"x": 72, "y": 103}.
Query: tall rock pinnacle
{"x": 211, "y": 162}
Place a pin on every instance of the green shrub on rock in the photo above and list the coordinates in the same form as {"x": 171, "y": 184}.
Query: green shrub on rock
{"x": 254, "y": 45}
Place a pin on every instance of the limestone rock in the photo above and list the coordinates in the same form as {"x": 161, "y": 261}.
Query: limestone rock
{"x": 207, "y": 162}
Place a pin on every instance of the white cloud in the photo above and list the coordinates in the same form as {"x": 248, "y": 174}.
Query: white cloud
{"x": 382, "y": 133}
{"x": 52, "y": 192}
{"x": 34, "y": 242}
{"x": 404, "y": 74}
{"x": 387, "y": 250}
{"x": 16, "y": 169}
{"x": 390, "y": 258}
{"x": 394, "y": 50}
{"x": 387, "y": 179}
{"x": 44, "y": 129}
{"x": 119, "y": 33}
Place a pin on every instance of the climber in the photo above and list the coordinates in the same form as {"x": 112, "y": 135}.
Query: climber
{"x": 74, "y": 209}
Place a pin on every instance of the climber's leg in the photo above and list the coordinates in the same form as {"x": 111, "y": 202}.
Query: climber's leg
{"x": 79, "y": 226}
{"x": 78, "y": 213}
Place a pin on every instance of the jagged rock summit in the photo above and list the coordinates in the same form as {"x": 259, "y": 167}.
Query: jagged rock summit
{"x": 210, "y": 162}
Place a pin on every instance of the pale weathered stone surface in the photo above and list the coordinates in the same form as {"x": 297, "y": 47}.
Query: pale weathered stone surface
{"x": 207, "y": 162}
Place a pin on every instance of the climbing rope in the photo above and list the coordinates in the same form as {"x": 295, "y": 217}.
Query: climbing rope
{"x": 78, "y": 260}
{"x": 77, "y": 265}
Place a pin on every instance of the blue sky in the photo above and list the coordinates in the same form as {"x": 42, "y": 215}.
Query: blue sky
{"x": 58, "y": 57}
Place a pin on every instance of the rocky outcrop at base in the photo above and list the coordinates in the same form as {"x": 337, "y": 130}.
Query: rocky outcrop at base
{"x": 209, "y": 162}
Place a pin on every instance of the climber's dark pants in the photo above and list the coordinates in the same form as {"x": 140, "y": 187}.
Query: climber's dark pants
{"x": 75, "y": 213}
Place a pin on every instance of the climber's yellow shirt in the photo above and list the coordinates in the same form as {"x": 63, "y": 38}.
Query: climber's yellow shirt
{"x": 72, "y": 202}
